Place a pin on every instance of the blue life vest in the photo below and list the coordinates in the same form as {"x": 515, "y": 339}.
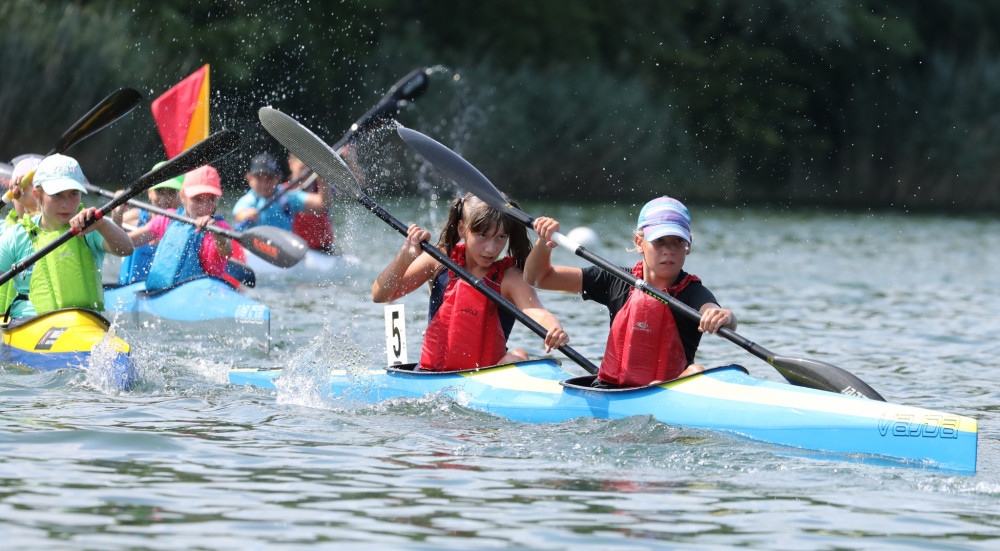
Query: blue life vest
{"x": 135, "y": 267}
{"x": 176, "y": 259}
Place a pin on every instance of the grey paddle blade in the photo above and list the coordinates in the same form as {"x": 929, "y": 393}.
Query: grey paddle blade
{"x": 279, "y": 247}
{"x": 460, "y": 171}
{"x": 311, "y": 150}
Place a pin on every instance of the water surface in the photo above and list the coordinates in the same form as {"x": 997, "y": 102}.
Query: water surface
{"x": 186, "y": 461}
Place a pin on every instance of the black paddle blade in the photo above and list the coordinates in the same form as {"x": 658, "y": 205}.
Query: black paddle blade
{"x": 407, "y": 88}
{"x": 460, "y": 171}
{"x": 110, "y": 109}
{"x": 823, "y": 376}
{"x": 200, "y": 154}
{"x": 311, "y": 150}
{"x": 241, "y": 272}
{"x": 280, "y": 247}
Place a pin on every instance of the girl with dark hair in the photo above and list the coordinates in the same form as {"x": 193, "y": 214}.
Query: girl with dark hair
{"x": 465, "y": 329}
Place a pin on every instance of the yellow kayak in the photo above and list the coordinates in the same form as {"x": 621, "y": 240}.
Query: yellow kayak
{"x": 68, "y": 339}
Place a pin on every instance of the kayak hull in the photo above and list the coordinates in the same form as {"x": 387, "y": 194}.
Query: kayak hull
{"x": 69, "y": 338}
{"x": 723, "y": 399}
{"x": 203, "y": 299}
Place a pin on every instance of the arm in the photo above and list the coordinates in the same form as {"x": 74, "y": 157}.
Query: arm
{"x": 320, "y": 201}
{"x": 538, "y": 269}
{"x": 116, "y": 241}
{"x": 223, "y": 246}
{"x": 409, "y": 270}
{"x": 714, "y": 317}
{"x": 515, "y": 289}
{"x": 244, "y": 210}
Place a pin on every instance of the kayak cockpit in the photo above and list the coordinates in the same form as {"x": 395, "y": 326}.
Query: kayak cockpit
{"x": 584, "y": 382}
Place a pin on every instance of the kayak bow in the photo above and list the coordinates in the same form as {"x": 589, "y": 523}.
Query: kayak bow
{"x": 68, "y": 338}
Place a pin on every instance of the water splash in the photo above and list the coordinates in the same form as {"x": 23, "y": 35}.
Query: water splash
{"x": 305, "y": 380}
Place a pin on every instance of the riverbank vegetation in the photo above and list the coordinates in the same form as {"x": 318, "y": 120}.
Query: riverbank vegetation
{"x": 845, "y": 104}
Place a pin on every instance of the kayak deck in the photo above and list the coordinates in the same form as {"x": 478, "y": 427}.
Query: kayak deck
{"x": 723, "y": 399}
{"x": 69, "y": 338}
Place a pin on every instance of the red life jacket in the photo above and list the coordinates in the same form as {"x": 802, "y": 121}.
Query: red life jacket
{"x": 644, "y": 344}
{"x": 465, "y": 332}
{"x": 314, "y": 227}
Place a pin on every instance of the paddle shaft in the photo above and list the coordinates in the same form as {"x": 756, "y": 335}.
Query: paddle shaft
{"x": 231, "y": 234}
{"x": 201, "y": 153}
{"x": 476, "y": 283}
{"x": 274, "y": 245}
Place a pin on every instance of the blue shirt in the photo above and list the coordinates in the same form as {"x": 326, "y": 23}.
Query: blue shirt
{"x": 279, "y": 214}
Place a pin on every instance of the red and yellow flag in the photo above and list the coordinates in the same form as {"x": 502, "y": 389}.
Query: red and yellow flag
{"x": 181, "y": 113}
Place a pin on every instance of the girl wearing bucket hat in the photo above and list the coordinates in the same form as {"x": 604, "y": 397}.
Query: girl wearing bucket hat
{"x": 185, "y": 251}
{"x": 647, "y": 343}
{"x": 70, "y": 276}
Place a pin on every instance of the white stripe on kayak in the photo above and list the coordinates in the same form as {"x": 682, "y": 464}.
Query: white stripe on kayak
{"x": 835, "y": 403}
{"x": 512, "y": 378}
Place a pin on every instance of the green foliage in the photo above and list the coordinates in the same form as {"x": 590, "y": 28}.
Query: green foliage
{"x": 850, "y": 103}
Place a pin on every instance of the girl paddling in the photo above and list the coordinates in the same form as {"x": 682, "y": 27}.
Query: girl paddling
{"x": 647, "y": 343}
{"x": 69, "y": 277}
{"x": 184, "y": 251}
{"x": 466, "y": 330}
{"x": 165, "y": 195}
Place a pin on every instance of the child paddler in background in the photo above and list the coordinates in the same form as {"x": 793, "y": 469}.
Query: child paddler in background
{"x": 186, "y": 252}
{"x": 648, "y": 343}
{"x": 70, "y": 276}
{"x": 263, "y": 178}
{"x": 315, "y": 227}
{"x": 165, "y": 195}
{"x": 22, "y": 204}
{"x": 466, "y": 329}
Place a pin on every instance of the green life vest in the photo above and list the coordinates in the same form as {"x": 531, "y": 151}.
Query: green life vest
{"x": 67, "y": 277}
{"x": 7, "y": 292}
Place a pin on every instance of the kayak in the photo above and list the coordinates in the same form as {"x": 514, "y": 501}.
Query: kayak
{"x": 203, "y": 299}
{"x": 725, "y": 399}
{"x": 316, "y": 266}
{"x": 70, "y": 338}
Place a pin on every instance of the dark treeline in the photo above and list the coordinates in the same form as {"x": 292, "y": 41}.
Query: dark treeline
{"x": 853, "y": 104}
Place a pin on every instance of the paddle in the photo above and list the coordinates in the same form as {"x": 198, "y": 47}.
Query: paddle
{"x": 315, "y": 153}
{"x": 275, "y": 245}
{"x": 203, "y": 152}
{"x": 407, "y": 88}
{"x": 110, "y": 109}
{"x": 799, "y": 371}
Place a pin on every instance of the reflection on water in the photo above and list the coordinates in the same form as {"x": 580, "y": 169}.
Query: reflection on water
{"x": 187, "y": 461}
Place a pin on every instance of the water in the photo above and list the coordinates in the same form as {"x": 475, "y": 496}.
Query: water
{"x": 186, "y": 461}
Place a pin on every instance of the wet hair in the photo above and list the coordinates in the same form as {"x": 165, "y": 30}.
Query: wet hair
{"x": 482, "y": 218}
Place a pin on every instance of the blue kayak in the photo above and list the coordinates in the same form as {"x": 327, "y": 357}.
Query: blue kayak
{"x": 204, "y": 299}
{"x": 725, "y": 399}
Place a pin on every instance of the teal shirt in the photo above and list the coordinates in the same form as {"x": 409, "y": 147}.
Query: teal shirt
{"x": 15, "y": 245}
